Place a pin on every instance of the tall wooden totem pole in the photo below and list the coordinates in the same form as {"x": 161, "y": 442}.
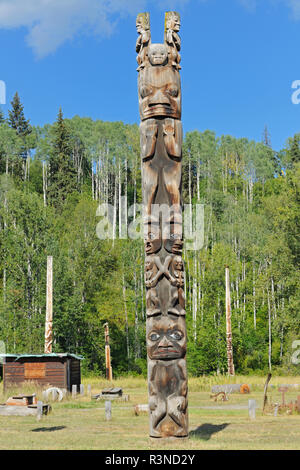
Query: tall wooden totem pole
{"x": 159, "y": 92}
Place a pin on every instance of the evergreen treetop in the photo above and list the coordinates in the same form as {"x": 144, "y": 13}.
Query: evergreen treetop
{"x": 62, "y": 172}
{"x": 16, "y": 117}
{"x": 2, "y": 118}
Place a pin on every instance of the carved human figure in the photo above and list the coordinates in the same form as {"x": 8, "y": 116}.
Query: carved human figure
{"x": 177, "y": 271}
{"x": 161, "y": 269}
{"x": 177, "y": 281}
{"x": 143, "y": 40}
{"x": 152, "y": 300}
{"x": 166, "y": 346}
{"x": 172, "y": 38}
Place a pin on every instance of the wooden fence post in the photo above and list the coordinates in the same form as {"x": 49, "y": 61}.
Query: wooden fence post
{"x": 252, "y": 407}
{"x": 108, "y": 410}
{"x": 39, "y": 410}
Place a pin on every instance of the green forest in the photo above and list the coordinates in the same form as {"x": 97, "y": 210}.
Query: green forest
{"x": 52, "y": 180}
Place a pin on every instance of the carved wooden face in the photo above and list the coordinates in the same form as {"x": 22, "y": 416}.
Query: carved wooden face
{"x": 174, "y": 246}
{"x": 178, "y": 263}
{"x": 166, "y": 338}
{"x": 159, "y": 92}
{"x": 152, "y": 238}
{"x": 149, "y": 263}
{"x": 172, "y": 238}
{"x": 157, "y": 54}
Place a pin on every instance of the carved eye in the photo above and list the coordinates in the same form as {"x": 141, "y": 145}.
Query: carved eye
{"x": 145, "y": 91}
{"x": 177, "y": 335}
{"x": 154, "y": 336}
{"x": 152, "y": 236}
{"x": 175, "y": 236}
{"x": 173, "y": 91}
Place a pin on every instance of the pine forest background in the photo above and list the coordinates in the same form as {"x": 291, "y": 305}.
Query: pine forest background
{"x": 52, "y": 179}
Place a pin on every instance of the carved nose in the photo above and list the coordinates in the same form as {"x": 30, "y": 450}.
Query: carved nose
{"x": 159, "y": 98}
{"x": 164, "y": 343}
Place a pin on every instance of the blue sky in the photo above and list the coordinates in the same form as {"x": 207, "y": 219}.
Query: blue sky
{"x": 239, "y": 60}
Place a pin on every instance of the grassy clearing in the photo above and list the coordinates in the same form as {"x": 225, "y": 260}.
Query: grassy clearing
{"x": 80, "y": 423}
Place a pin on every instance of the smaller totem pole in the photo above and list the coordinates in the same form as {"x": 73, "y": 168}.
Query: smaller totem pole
{"x": 107, "y": 353}
{"x": 49, "y": 304}
{"x": 228, "y": 324}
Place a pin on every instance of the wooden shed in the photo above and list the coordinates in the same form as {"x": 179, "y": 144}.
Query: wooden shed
{"x": 56, "y": 370}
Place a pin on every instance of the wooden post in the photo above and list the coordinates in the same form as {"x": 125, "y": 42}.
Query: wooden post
{"x": 39, "y": 410}
{"x": 49, "y": 307}
{"x": 107, "y": 353}
{"x": 252, "y": 407}
{"x": 265, "y": 399}
{"x": 228, "y": 325}
{"x": 159, "y": 93}
{"x": 108, "y": 410}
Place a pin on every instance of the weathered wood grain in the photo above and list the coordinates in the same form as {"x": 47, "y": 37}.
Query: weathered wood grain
{"x": 159, "y": 92}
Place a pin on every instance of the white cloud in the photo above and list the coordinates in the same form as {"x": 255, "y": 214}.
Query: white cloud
{"x": 292, "y": 5}
{"x": 249, "y": 4}
{"x": 50, "y": 23}
{"x": 295, "y": 7}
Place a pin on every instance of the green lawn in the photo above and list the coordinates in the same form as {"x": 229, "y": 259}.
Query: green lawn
{"x": 80, "y": 423}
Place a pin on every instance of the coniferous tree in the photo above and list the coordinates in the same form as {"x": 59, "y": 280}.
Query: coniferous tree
{"x": 266, "y": 138}
{"x": 62, "y": 174}
{"x": 2, "y": 118}
{"x": 16, "y": 117}
{"x": 17, "y": 121}
{"x": 295, "y": 150}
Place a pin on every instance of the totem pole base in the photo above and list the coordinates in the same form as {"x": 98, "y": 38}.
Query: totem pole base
{"x": 169, "y": 439}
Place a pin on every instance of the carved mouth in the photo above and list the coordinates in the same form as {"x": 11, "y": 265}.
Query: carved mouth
{"x": 166, "y": 354}
{"x": 159, "y": 110}
{"x": 152, "y": 105}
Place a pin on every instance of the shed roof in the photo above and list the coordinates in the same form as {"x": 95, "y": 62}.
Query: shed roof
{"x": 19, "y": 356}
